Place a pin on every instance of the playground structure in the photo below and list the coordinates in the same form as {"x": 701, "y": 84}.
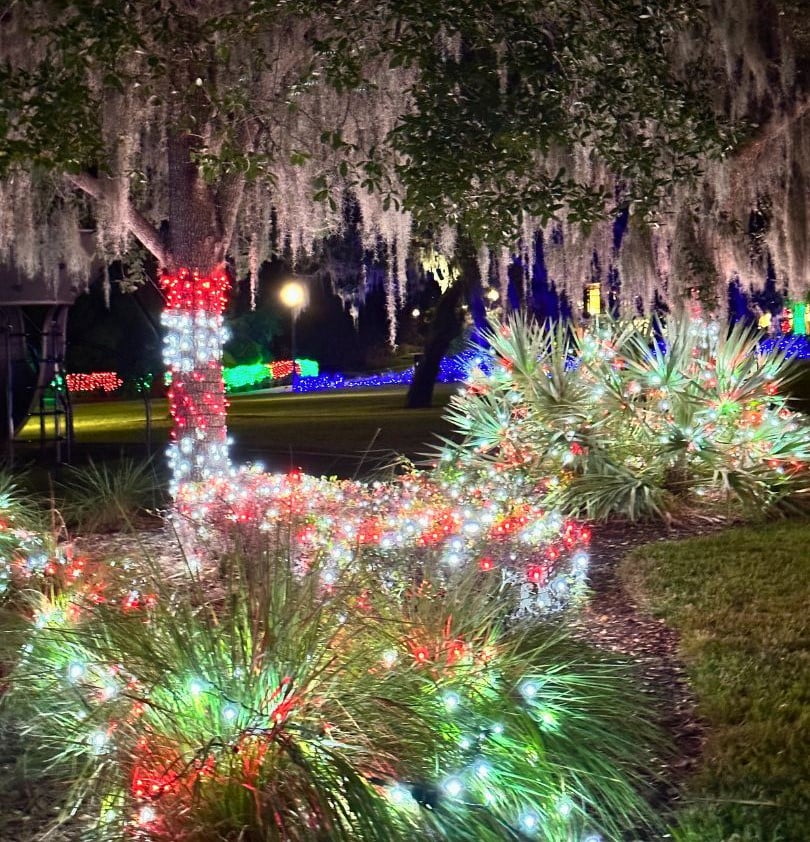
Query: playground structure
{"x": 33, "y": 338}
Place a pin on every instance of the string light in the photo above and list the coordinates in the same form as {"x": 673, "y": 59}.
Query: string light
{"x": 94, "y": 381}
{"x": 193, "y": 355}
{"x": 243, "y": 376}
{"x": 451, "y": 370}
{"x": 426, "y": 513}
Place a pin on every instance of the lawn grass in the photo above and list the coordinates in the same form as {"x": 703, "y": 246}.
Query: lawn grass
{"x": 325, "y": 432}
{"x": 740, "y": 601}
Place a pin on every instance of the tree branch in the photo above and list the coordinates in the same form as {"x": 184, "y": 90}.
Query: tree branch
{"x": 232, "y": 187}
{"x": 228, "y": 201}
{"x": 773, "y": 128}
{"x": 138, "y": 225}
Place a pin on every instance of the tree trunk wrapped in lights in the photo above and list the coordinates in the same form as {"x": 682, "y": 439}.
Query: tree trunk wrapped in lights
{"x": 193, "y": 355}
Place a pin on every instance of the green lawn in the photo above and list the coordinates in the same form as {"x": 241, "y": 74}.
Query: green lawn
{"x": 741, "y": 602}
{"x": 324, "y": 432}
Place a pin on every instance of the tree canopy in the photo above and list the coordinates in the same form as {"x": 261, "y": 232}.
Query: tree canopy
{"x": 213, "y": 130}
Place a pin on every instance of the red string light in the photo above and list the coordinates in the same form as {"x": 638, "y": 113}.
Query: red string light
{"x": 94, "y": 381}
{"x": 188, "y": 290}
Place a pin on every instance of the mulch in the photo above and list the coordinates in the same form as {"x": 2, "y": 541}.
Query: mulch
{"x": 613, "y": 621}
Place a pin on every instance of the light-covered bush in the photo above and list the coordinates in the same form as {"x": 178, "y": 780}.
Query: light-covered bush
{"x": 29, "y": 555}
{"x": 635, "y": 418}
{"x": 282, "y": 704}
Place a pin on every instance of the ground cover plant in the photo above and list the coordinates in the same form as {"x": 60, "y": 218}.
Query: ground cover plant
{"x": 100, "y": 497}
{"x": 636, "y": 418}
{"x": 277, "y": 703}
{"x": 739, "y": 601}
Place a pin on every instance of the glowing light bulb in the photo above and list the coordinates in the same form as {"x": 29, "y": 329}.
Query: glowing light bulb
{"x": 565, "y": 807}
{"x": 483, "y": 769}
{"x": 580, "y": 560}
{"x": 292, "y": 295}
{"x": 548, "y": 719}
{"x": 229, "y": 713}
{"x": 389, "y": 658}
{"x": 529, "y": 822}
{"x": 146, "y": 815}
{"x": 98, "y": 741}
{"x": 195, "y": 687}
{"x": 453, "y": 787}
{"x": 529, "y": 689}
{"x": 451, "y": 701}
{"x": 76, "y": 671}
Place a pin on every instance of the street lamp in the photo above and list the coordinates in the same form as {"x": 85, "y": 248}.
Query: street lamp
{"x": 416, "y": 312}
{"x": 293, "y": 295}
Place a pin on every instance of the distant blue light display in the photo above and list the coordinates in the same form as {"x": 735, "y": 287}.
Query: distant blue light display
{"x": 451, "y": 370}
{"x": 797, "y": 347}
{"x": 456, "y": 369}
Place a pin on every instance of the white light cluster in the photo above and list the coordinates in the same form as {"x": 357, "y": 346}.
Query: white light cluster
{"x": 192, "y": 339}
{"x": 193, "y": 343}
{"x": 195, "y": 457}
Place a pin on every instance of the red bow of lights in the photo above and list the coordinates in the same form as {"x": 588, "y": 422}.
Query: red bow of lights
{"x": 188, "y": 290}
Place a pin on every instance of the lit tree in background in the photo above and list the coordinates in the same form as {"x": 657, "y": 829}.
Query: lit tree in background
{"x": 214, "y": 132}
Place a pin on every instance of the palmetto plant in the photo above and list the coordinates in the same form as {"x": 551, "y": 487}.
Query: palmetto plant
{"x": 636, "y": 418}
{"x": 268, "y": 706}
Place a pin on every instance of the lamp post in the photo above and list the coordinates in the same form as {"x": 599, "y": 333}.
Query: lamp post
{"x": 293, "y": 295}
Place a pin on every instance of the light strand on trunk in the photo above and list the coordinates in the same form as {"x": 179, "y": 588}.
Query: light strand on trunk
{"x": 193, "y": 355}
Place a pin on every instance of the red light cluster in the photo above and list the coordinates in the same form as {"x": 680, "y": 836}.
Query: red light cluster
{"x": 188, "y": 290}
{"x": 94, "y": 381}
{"x": 283, "y": 368}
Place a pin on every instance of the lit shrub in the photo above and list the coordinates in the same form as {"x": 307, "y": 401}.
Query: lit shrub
{"x": 29, "y": 556}
{"x": 270, "y": 705}
{"x": 636, "y": 419}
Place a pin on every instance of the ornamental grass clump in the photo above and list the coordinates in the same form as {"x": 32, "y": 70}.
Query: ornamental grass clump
{"x": 268, "y": 704}
{"x": 636, "y": 418}
{"x": 107, "y": 498}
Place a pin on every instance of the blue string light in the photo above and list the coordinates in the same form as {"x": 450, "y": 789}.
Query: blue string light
{"x": 453, "y": 369}
{"x": 794, "y": 346}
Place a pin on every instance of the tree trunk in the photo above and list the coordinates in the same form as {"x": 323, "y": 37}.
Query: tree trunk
{"x": 196, "y": 284}
{"x": 446, "y": 326}
{"x": 195, "y": 302}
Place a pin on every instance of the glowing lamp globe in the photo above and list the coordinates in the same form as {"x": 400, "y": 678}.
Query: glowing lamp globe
{"x": 292, "y": 295}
